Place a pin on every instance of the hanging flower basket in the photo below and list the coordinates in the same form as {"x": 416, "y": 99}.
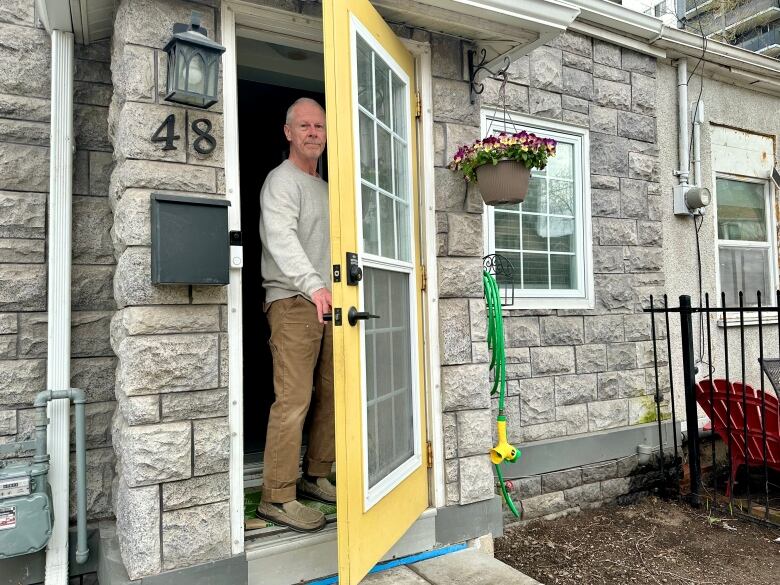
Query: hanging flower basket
{"x": 501, "y": 164}
{"x": 503, "y": 182}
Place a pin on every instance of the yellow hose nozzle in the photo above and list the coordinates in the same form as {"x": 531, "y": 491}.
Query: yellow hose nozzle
{"x": 503, "y": 451}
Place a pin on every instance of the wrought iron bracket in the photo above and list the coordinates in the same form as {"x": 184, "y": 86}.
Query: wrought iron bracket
{"x": 475, "y": 68}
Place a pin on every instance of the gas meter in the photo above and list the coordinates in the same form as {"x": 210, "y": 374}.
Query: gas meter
{"x": 26, "y": 515}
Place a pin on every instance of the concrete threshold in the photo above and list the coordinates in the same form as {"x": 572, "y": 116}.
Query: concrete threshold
{"x": 466, "y": 567}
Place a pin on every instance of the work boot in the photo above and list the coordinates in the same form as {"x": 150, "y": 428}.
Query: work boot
{"x": 317, "y": 488}
{"x": 293, "y": 515}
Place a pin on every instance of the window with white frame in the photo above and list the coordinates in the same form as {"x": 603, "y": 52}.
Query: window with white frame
{"x": 746, "y": 256}
{"x": 547, "y": 238}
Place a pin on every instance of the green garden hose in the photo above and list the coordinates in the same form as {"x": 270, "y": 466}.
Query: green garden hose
{"x": 503, "y": 451}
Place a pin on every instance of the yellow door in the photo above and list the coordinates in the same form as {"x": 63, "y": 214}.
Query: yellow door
{"x": 380, "y": 431}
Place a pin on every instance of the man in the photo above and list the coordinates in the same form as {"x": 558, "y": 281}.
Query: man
{"x": 295, "y": 232}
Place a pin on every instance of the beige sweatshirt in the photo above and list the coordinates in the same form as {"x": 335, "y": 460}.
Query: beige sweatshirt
{"x": 295, "y": 231}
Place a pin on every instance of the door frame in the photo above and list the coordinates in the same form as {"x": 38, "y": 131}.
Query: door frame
{"x": 284, "y": 25}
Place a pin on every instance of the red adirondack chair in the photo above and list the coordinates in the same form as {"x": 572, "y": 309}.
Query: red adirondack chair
{"x": 714, "y": 398}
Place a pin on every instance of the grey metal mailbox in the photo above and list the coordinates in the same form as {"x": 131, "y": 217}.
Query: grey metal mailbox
{"x": 190, "y": 241}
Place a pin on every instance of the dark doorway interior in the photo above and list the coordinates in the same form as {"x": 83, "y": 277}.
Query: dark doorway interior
{"x": 262, "y": 147}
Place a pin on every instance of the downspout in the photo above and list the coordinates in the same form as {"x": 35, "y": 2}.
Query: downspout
{"x": 682, "y": 121}
{"x": 59, "y": 272}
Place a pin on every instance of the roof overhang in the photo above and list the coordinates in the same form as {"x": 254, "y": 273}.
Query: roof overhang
{"x": 88, "y": 20}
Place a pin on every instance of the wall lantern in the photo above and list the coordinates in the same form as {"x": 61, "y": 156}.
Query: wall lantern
{"x": 193, "y": 65}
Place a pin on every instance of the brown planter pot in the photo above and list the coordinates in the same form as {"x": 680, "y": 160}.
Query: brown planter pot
{"x": 505, "y": 182}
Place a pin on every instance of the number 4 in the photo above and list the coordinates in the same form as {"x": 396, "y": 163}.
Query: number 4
{"x": 169, "y": 136}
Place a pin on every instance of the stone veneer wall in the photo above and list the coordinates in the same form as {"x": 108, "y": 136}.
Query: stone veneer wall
{"x": 171, "y": 429}
{"x": 570, "y": 371}
{"x": 25, "y": 63}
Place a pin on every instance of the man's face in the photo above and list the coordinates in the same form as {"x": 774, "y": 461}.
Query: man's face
{"x": 306, "y": 131}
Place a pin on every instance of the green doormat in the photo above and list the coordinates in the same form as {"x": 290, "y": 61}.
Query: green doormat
{"x": 252, "y": 499}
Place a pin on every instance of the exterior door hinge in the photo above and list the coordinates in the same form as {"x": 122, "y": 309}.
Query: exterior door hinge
{"x": 423, "y": 278}
{"x": 429, "y": 450}
{"x": 419, "y": 105}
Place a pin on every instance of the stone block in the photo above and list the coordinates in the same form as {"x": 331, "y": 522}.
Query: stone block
{"x": 95, "y": 376}
{"x": 137, "y": 122}
{"x": 642, "y": 409}
{"x": 454, "y": 331}
{"x": 168, "y": 319}
{"x": 575, "y": 416}
{"x": 611, "y": 74}
{"x": 616, "y": 232}
{"x": 546, "y": 361}
{"x": 18, "y": 12}
{"x": 456, "y": 135}
{"x": 474, "y": 432}
{"x": 100, "y": 166}
{"x": 440, "y": 152}
{"x": 611, "y": 94}
{"x": 642, "y": 94}
{"x": 615, "y": 292}
{"x": 452, "y": 491}
{"x": 537, "y": 400}
{"x": 604, "y": 182}
{"x": 584, "y": 494}
{"x": 609, "y": 385}
{"x": 138, "y": 528}
{"x": 655, "y": 208}
{"x": 642, "y": 166}
{"x": 8, "y": 344}
{"x": 603, "y": 120}
{"x": 450, "y": 190}
{"x": 639, "y": 62}
{"x": 632, "y": 383}
{"x": 574, "y": 43}
{"x": 522, "y": 331}
{"x": 612, "y": 488}
{"x": 451, "y": 471}
{"x": 636, "y": 126}
{"x": 92, "y": 71}
{"x": 215, "y": 158}
{"x": 649, "y": 233}
{"x": 477, "y": 318}
{"x": 561, "y": 480}
{"x": 608, "y": 259}
{"x": 98, "y": 417}
{"x": 194, "y": 405}
{"x": 544, "y": 505}
{"x": 576, "y": 61}
{"x": 134, "y": 73}
{"x": 516, "y": 95}
{"x": 561, "y": 330}
{"x": 546, "y": 69}
{"x": 607, "y": 414}
{"x": 7, "y": 422}
{"x": 591, "y": 358}
{"x": 464, "y": 387}
{"x": 25, "y": 60}
{"x": 160, "y": 19}
{"x": 446, "y": 57}
{"x": 133, "y": 283}
{"x": 476, "y": 479}
{"x": 465, "y": 234}
{"x": 24, "y": 167}
{"x": 527, "y": 487}
{"x": 574, "y": 104}
{"x": 637, "y": 327}
{"x": 641, "y": 259}
{"x": 139, "y": 410}
{"x": 599, "y": 472}
{"x": 18, "y": 251}
{"x": 24, "y": 132}
{"x": 576, "y": 118}
{"x": 22, "y": 287}
{"x": 450, "y": 433}
{"x": 545, "y": 103}
{"x": 578, "y": 83}
{"x": 621, "y": 356}
{"x": 540, "y": 432}
{"x": 609, "y": 154}
{"x": 458, "y": 277}
{"x": 633, "y": 198}
{"x": 452, "y": 102}
{"x": 181, "y": 363}
{"x": 90, "y": 128}
{"x": 606, "y": 53}
{"x": 195, "y": 535}
{"x": 24, "y": 108}
{"x": 92, "y": 94}
{"x": 8, "y": 323}
{"x": 576, "y": 389}
{"x": 209, "y": 295}
{"x": 211, "y": 443}
{"x": 605, "y": 203}
{"x": 520, "y": 70}
{"x": 92, "y": 221}
{"x": 132, "y": 220}
{"x": 92, "y": 288}
{"x": 150, "y": 454}
{"x": 100, "y": 477}
{"x": 196, "y": 491}
{"x": 161, "y": 176}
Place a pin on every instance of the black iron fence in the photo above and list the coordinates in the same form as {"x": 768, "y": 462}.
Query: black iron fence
{"x": 720, "y": 358}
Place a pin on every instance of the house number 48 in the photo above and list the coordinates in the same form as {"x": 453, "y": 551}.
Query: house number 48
{"x": 204, "y": 143}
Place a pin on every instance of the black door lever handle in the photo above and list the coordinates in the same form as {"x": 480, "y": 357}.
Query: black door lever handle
{"x": 353, "y": 316}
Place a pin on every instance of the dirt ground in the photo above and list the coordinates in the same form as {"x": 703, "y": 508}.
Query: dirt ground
{"x": 651, "y": 541}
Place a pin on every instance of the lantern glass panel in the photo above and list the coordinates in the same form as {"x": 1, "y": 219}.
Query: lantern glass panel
{"x": 196, "y": 74}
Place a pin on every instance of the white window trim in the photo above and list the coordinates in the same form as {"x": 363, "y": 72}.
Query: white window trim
{"x": 771, "y": 243}
{"x": 583, "y": 298}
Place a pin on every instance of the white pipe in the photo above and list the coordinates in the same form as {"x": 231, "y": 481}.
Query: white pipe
{"x": 59, "y": 247}
{"x": 698, "y": 115}
{"x": 682, "y": 121}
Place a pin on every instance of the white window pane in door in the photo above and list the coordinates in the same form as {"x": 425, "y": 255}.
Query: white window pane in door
{"x": 384, "y": 158}
{"x": 399, "y": 106}
{"x": 364, "y": 75}
{"x": 741, "y": 210}
{"x": 389, "y": 414}
{"x": 746, "y": 270}
{"x": 387, "y": 226}
{"x": 399, "y": 165}
{"x": 370, "y": 220}
{"x": 402, "y": 236}
{"x": 382, "y": 90}
{"x": 367, "y": 152}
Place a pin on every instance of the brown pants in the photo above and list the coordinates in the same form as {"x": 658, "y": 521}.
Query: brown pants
{"x": 303, "y": 357}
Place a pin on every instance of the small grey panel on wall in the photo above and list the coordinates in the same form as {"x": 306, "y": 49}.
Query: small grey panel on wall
{"x": 189, "y": 240}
